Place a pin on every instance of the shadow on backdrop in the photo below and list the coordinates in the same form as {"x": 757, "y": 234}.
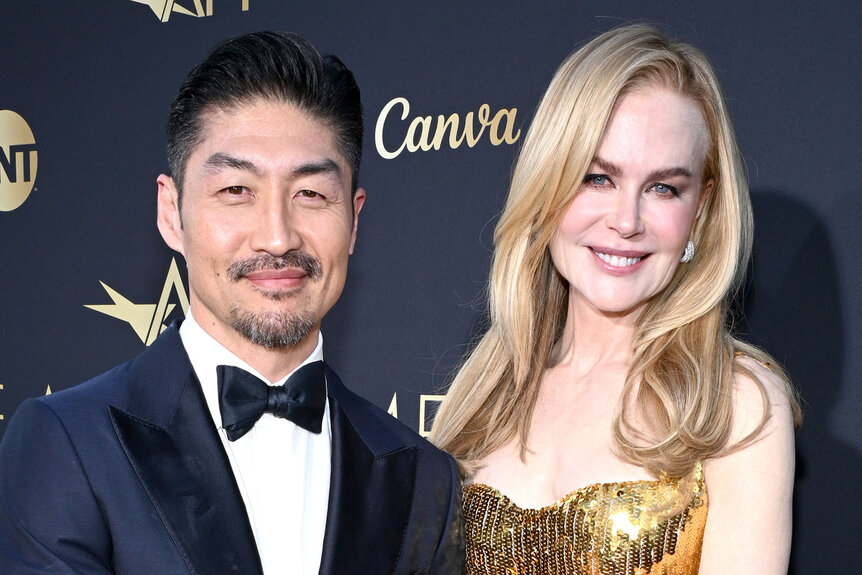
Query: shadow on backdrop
{"x": 792, "y": 308}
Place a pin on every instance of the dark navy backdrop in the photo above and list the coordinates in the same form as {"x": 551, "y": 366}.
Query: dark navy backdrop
{"x": 93, "y": 81}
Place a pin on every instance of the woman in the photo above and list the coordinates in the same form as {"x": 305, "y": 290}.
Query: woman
{"x": 607, "y": 421}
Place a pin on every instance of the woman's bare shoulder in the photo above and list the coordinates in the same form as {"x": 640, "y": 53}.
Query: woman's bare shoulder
{"x": 758, "y": 387}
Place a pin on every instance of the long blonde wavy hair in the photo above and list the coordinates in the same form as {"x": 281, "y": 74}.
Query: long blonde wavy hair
{"x": 682, "y": 368}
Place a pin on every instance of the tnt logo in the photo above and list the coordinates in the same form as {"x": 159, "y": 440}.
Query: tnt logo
{"x": 164, "y": 8}
{"x": 18, "y": 160}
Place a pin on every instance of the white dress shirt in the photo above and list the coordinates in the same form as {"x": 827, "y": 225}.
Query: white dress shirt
{"x": 282, "y": 470}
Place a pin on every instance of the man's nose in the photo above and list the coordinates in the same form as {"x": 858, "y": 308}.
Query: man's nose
{"x": 275, "y": 228}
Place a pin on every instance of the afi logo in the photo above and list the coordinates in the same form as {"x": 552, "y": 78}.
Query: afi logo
{"x": 164, "y": 8}
{"x": 147, "y": 319}
{"x": 18, "y": 160}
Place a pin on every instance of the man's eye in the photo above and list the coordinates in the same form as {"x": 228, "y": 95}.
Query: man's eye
{"x": 309, "y": 194}
{"x": 235, "y": 190}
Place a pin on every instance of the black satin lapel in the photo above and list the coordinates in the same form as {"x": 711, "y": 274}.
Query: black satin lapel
{"x": 370, "y": 501}
{"x": 187, "y": 476}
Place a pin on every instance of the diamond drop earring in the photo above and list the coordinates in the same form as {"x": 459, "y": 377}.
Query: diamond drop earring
{"x": 688, "y": 254}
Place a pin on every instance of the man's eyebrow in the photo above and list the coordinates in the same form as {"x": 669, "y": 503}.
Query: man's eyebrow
{"x": 325, "y": 166}
{"x": 221, "y": 161}
{"x": 612, "y": 169}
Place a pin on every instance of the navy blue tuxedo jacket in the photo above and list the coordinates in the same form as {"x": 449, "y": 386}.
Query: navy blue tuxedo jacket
{"x": 126, "y": 474}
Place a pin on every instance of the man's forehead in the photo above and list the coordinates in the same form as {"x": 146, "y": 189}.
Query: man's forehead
{"x": 218, "y": 120}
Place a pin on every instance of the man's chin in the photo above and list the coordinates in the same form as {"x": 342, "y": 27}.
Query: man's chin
{"x": 276, "y": 294}
{"x": 273, "y": 330}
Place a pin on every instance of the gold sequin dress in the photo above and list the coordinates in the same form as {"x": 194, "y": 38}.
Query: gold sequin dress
{"x": 631, "y": 528}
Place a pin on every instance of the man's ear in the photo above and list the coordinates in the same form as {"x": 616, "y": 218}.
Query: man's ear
{"x": 358, "y": 202}
{"x": 168, "y": 219}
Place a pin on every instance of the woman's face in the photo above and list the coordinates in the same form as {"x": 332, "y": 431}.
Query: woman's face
{"x": 624, "y": 232}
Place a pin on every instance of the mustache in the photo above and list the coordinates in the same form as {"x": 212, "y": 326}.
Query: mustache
{"x": 293, "y": 259}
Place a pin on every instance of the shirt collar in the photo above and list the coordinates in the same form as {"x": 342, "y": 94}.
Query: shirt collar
{"x": 206, "y": 354}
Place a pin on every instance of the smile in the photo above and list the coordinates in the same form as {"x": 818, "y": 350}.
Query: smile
{"x": 617, "y": 261}
{"x": 286, "y": 279}
{"x": 282, "y": 274}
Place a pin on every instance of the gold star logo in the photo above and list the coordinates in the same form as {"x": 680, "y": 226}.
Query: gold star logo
{"x": 164, "y": 8}
{"x": 147, "y": 319}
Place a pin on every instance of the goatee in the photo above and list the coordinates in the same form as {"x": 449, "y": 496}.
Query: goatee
{"x": 274, "y": 330}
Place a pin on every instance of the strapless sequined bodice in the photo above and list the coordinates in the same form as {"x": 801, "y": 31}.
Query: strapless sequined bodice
{"x": 631, "y": 528}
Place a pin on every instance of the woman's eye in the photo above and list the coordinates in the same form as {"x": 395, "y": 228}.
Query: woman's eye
{"x": 665, "y": 190}
{"x": 597, "y": 180}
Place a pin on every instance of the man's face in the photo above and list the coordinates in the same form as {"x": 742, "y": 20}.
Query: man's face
{"x": 266, "y": 226}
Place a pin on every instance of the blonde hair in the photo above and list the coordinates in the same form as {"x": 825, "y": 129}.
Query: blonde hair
{"x": 682, "y": 369}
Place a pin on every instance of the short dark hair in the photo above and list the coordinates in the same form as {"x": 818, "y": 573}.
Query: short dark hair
{"x": 275, "y": 66}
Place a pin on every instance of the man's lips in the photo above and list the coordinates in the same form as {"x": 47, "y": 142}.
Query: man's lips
{"x": 292, "y": 266}
{"x": 277, "y": 279}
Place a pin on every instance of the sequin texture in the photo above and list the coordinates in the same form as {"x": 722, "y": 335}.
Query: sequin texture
{"x": 631, "y": 528}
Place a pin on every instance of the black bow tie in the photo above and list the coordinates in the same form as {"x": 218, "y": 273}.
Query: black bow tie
{"x": 243, "y": 398}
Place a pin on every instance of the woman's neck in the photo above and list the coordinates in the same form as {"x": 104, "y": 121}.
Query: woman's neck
{"x": 591, "y": 338}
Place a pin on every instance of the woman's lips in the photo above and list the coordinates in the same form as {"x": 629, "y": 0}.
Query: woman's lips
{"x": 619, "y": 260}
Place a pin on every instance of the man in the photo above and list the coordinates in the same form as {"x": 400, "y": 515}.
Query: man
{"x": 176, "y": 462}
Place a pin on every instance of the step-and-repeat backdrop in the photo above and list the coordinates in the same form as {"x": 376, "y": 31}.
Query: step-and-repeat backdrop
{"x": 87, "y": 282}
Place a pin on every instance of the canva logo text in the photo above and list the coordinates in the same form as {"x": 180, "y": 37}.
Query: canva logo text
{"x": 427, "y": 133}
